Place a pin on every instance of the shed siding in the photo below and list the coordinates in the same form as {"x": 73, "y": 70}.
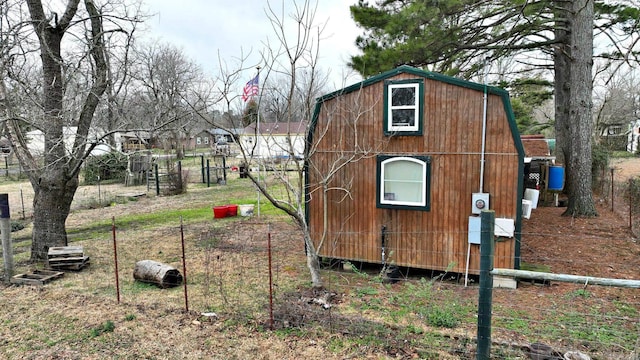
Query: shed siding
{"x": 349, "y": 129}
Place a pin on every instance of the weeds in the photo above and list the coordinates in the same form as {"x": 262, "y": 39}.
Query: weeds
{"x": 583, "y": 293}
{"x": 107, "y": 326}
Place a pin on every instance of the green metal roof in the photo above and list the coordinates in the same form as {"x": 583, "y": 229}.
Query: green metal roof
{"x": 406, "y": 69}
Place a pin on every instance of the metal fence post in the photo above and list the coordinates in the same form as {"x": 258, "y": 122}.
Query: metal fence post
{"x": 202, "y": 168}
{"x": 157, "y": 179}
{"x": 485, "y": 300}
{"x": 208, "y": 173}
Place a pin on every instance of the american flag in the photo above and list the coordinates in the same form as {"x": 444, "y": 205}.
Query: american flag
{"x": 250, "y": 89}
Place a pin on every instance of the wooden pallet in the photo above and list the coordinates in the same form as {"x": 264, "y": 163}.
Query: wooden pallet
{"x": 67, "y": 258}
{"x": 36, "y": 277}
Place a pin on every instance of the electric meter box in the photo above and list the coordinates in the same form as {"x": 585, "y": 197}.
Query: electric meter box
{"x": 479, "y": 202}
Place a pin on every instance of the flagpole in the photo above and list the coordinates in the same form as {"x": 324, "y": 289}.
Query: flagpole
{"x": 258, "y": 136}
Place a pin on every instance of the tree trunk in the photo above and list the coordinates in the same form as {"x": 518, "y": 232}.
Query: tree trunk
{"x": 580, "y": 193}
{"x": 56, "y": 182}
{"x": 157, "y": 273}
{"x": 313, "y": 262}
{"x": 562, "y": 83}
{"x": 53, "y": 189}
{"x": 51, "y": 205}
{"x": 573, "y": 62}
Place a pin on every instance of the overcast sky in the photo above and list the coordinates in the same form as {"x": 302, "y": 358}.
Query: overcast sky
{"x": 206, "y": 28}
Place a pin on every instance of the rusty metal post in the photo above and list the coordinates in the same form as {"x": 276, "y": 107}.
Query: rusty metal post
{"x": 631, "y": 192}
{"x": 184, "y": 267}
{"x": 270, "y": 279}
{"x": 115, "y": 256}
{"x": 612, "y": 194}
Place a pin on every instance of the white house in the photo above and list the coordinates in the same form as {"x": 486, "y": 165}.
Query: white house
{"x": 634, "y": 136}
{"x": 274, "y": 140}
{"x": 35, "y": 141}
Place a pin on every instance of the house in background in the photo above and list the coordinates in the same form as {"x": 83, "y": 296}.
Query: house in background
{"x": 204, "y": 139}
{"x": 230, "y": 136}
{"x": 417, "y": 156}
{"x": 35, "y": 141}
{"x": 136, "y": 140}
{"x": 614, "y": 135}
{"x": 211, "y": 139}
{"x": 274, "y": 140}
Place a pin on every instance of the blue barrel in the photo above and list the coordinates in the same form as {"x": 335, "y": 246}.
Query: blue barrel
{"x": 556, "y": 178}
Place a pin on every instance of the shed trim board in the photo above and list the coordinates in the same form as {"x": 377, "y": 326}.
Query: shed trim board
{"x": 461, "y": 156}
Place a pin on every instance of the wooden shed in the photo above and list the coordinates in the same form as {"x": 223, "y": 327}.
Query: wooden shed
{"x": 401, "y": 164}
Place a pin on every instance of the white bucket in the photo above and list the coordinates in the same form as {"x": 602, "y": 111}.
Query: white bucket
{"x": 246, "y": 210}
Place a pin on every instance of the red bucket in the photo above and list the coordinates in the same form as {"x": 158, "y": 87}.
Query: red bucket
{"x": 219, "y": 212}
{"x": 232, "y": 210}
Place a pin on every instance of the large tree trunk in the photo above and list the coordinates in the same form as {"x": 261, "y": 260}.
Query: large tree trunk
{"x": 581, "y": 110}
{"x": 55, "y": 183}
{"x": 53, "y": 190}
{"x": 562, "y": 94}
{"x": 573, "y": 62}
{"x": 51, "y": 205}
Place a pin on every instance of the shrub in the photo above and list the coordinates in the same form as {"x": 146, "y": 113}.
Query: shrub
{"x": 599, "y": 164}
{"x": 16, "y": 226}
{"x": 111, "y": 166}
{"x": 632, "y": 194}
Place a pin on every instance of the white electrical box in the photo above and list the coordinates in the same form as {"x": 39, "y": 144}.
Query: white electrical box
{"x": 504, "y": 227}
{"x": 474, "y": 230}
{"x": 479, "y": 202}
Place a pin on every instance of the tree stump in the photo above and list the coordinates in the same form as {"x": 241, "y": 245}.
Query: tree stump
{"x": 157, "y": 273}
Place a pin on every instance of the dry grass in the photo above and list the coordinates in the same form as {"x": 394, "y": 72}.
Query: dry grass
{"x": 78, "y": 316}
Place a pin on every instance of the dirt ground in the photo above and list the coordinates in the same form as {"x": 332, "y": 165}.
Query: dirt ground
{"x": 603, "y": 246}
{"x": 625, "y": 168}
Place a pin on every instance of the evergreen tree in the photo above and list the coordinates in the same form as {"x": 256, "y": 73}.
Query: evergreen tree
{"x": 456, "y": 37}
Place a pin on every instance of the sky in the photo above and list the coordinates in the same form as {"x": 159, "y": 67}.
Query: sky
{"x": 209, "y": 29}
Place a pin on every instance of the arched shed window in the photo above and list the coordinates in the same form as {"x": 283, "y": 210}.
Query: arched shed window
{"x": 403, "y": 182}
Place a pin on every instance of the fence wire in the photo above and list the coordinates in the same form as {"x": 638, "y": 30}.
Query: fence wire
{"x": 365, "y": 308}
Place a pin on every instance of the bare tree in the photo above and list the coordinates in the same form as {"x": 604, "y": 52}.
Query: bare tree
{"x": 170, "y": 90}
{"x": 71, "y": 40}
{"x": 618, "y": 103}
{"x": 292, "y": 80}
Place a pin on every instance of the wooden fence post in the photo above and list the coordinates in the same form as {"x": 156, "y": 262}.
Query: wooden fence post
{"x": 485, "y": 299}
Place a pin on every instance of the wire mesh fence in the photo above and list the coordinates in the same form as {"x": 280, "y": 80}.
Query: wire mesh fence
{"x": 234, "y": 276}
{"x": 251, "y": 272}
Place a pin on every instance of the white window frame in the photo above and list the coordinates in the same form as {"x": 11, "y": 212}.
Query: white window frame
{"x": 415, "y": 106}
{"x": 198, "y": 140}
{"x": 386, "y": 201}
{"x": 206, "y": 140}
